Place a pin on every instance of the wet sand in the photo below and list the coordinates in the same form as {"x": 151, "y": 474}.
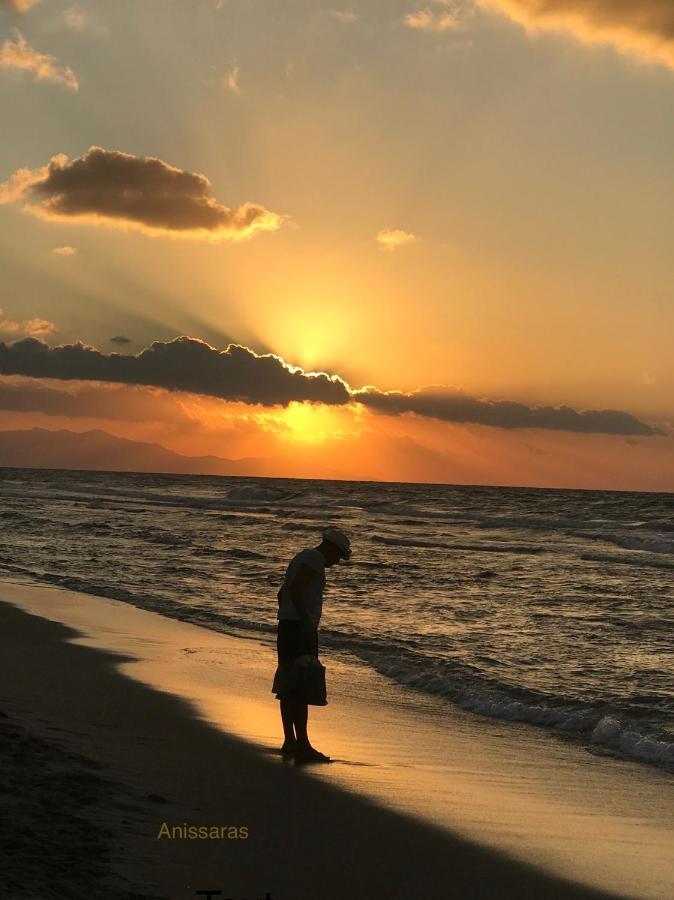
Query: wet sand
{"x": 178, "y": 726}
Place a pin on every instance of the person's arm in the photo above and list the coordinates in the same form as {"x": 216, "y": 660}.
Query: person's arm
{"x": 302, "y": 578}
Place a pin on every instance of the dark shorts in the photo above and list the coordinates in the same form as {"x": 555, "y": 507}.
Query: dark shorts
{"x": 291, "y": 642}
{"x": 289, "y": 682}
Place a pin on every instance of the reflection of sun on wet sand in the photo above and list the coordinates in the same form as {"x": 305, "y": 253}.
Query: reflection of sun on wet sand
{"x": 384, "y": 829}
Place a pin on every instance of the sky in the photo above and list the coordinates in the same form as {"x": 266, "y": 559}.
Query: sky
{"x": 400, "y": 240}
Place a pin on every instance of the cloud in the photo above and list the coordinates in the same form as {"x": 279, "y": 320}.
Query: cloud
{"x": 18, "y": 5}
{"x": 344, "y": 16}
{"x": 392, "y": 238}
{"x": 18, "y": 55}
{"x": 99, "y": 401}
{"x": 76, "y": 18}
{"x": 108, "y": 187}
{"x": 120, "y": 339}
{"x": 428, "y": 19}
{"x": 184, "y": 364}
{"x": 232, "y": 80}
{"x": 30, "y": 327}
{"x": 438, "y": 403}
{"x": 644, "y": 28}
{"x": 241, "y": 375}
{"x": 64, "y": 251}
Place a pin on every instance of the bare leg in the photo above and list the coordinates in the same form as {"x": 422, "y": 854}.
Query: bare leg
{"x": 287, "y": 717}
{"x": 300, "y": 719}
{"x": 304, "y": 749}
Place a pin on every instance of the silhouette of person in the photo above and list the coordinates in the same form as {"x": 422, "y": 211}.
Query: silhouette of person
{"x": 300, "y": 602}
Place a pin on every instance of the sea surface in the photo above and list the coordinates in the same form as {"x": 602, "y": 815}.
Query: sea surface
{"x": 551, "y": 607}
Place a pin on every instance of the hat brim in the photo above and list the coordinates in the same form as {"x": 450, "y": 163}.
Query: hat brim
{"x": 344, "y": 553}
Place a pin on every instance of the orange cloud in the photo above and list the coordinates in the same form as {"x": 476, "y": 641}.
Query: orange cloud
{"x": 98, "y": 401}
{"x": 392, "y": 238}
{"x": 28, "y": 327}
{"x": 350, "y": 439}
{"x": 428, "y": 19}
{"x": 19, "y": 5}
{"x": 233, "y": 80}
{"x": 108, "y": 187}
{"x": 18, "y": 55}
{"x": 643, "y": 28}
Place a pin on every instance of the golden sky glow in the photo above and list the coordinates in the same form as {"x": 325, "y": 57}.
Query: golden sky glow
{"x": 470, "y": 196}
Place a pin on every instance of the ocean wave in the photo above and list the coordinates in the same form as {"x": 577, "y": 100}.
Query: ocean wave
{"x": 300, "y": 526}
{"x": 536, "y": 523}
{"x": 228, "y": 553}
{"x": 414, "y": 514}
{"x": 257, "y": 493}
{"x": 629, "y": 559}
{"x": 629, "y": 743}
{"x": 243, "y": 518}
{"x": 649, "y": 544}
{"x": 111, "y": 498}
{"x": 595, "y": 725}
{"x": 477, "y": 547}
{"x": 653, "y": 537}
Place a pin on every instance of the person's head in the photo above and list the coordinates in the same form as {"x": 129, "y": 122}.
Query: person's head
{"x": 334, "y": 546}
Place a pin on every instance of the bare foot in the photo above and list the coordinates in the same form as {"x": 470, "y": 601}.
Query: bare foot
{"x": 310, "y": 754}
{"x": 289, "y": 746}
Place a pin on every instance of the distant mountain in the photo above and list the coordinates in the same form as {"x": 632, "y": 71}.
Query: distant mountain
{"x": 39, "y": 448}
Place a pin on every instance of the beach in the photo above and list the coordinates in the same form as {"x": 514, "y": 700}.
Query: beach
{"x": 166, "y": 726}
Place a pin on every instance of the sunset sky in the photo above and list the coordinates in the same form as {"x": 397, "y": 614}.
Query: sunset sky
{"x": 464, "y": 207}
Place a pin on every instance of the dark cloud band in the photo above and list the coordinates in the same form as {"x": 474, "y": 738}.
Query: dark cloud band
{"x": 184, "y": 364}
{"x": 239, "y": 374}
{"x": 457, "y": 407}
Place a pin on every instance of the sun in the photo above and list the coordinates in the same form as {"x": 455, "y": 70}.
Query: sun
{"x": 314, "y": 423}
{"x": 308, "y": 423}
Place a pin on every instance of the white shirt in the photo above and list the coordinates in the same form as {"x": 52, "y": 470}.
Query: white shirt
{"x": 313, "y": 591}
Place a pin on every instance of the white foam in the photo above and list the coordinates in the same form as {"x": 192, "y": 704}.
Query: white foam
{"x": 611, "y": 733}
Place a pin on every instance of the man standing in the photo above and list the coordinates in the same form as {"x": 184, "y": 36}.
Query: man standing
{"x": 300, "y": 602}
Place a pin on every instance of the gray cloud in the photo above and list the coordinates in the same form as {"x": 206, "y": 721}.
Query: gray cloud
{"x": 239, "y": 374}
{"x": 184, "y": 364}
{"x": 120, "y": 339}
{"x": 458, "y": 407}
{"x": 108, "y": 187}
{"x": 641, "y": 27}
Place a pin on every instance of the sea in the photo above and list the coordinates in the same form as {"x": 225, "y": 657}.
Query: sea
{"x": 549, "y": 607}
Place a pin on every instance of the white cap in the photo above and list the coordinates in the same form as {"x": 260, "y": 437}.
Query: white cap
{"x": 339, "y": 539}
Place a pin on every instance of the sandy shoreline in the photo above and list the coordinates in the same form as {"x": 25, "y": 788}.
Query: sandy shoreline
{"x": 161, "y": 761}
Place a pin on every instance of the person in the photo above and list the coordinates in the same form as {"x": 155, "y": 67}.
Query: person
{"x": 300, "y": 605}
